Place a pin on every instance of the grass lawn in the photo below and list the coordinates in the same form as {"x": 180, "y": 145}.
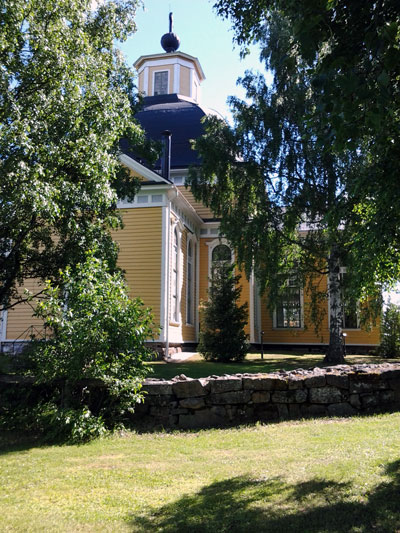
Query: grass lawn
{"x": 196, "y": 367}
{"x": 329, "y": 475}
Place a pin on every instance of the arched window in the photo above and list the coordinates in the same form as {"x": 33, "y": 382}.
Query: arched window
{"x": 191, "y": 276}
{"x": 221, "y": 254}
{"x": 175, "y": 277}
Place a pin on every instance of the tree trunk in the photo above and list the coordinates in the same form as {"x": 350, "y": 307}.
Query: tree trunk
{"x": 335, "y": 354}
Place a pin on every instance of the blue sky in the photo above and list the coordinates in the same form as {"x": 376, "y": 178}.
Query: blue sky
{"x": 203, "y": 35}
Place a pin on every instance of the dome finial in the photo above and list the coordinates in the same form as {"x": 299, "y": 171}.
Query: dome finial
{"x": 170, "y": 41}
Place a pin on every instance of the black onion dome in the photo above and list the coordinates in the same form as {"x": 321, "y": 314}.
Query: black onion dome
{"x": 181, "y": 117}
{"x": 170, "y": 42}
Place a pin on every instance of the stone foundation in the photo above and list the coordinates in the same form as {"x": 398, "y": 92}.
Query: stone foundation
{"x": 342, "y": 390}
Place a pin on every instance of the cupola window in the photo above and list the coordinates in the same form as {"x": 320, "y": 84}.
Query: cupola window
{"x": 161, "y": 82}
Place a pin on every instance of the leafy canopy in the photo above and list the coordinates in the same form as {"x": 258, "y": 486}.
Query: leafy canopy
{"x": 66, "y": 98}
{"x": 98, "y": 339}
{"x": 350, "y": 49}
{"x": 281, "y": 193}
{"x": 97, "y": 331}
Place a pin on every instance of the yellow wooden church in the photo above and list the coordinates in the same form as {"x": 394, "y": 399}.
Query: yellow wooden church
{"x": 169, "y": 241}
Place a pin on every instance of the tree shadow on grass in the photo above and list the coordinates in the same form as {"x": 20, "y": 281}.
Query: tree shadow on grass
{"x": 242, "y": 504}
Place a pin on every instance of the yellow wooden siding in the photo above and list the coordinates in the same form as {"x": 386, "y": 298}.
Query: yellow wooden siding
{"x": 184, "y": 81}
{"x": 203, "y": 289}
{"x": 307, "y": 334}
{"x": 20, "y": 320}
{"x": 140, "y": 251}
{"x": 170, "y": 68}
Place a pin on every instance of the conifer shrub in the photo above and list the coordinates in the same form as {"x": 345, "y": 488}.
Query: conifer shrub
{"x": 222, "y": 337}
{"x": 390, "y": 332}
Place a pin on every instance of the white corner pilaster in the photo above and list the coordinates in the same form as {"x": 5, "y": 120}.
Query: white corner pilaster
{"x": 177, "y": 78}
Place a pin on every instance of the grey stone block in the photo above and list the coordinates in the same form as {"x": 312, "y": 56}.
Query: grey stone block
{"x": 201, "y": 419}
{"x": 241, "y": 396}
{"x": 157, "y": 387}
{"x": 160, "y": 401}
{"x": 313, "y": 410}
{"x": 296, "y": 382}
{"x": 179, "y": 411}
{"x": 366, "y": 383}
{"x": 280, "y": 397}
{"x": 315, "y": 381}
{"x": 394, "y": 384}
{"x": 391, "y": 374}
{"x": 283, "y": 411}
{"x": 231, "y": 412}
{"x": 341, "y": 409}
{"x": 192, "y": 403}
{"x": 299, "y": 396}
{"x": 257, "y": 383}
{"x": 261, "y": 396}
{"x": 191, "y": 388}
{"x": 386, "y": 396}
{"x": 226, "y": 384}
{"x": 368, "y": 400}
{"x": 266, "y": 413}
{"x": 355, "y": 401}
{"x": 337, "y": 380}
{"x": 325, "y": 395}
{"x": 158, "y": 411}
{"x": 294, "y": 410}
{"x": 280, "y": 383}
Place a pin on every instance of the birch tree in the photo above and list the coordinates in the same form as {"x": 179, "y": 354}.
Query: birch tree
{"x": 281, "y": 195}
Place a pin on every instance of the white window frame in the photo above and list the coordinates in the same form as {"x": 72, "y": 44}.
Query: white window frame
{"x": 176, "y": 275}
{"x": 3, "y": 326}
{"x": 154, "y": 81}
{"x": 213, "y": 244}
{"x": 291, "y": 328}
{"x": 190, "y": 283}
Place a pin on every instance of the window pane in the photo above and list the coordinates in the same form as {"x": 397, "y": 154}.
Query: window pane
{"x": 161, "y": 82}
{"x": 221, "y": 252}
{"x": 288, "y": 308}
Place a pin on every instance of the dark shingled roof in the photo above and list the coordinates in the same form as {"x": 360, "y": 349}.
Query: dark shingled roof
{"x": 178, "y": 115}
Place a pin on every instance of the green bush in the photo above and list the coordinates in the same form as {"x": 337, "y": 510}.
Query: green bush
{"x": 98, "y": 336}
{"x": 390, "y": 332}
{"x": 222, "y": 337}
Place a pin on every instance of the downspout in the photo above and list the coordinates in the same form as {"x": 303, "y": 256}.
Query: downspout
{"x": 168, "y": 278}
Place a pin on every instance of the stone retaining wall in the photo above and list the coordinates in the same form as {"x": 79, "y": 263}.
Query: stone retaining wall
{"x": 342, "y": 390}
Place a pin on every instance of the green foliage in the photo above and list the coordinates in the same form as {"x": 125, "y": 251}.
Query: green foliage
{"x": 390, "y": 332}
{"x": 98, "y": 342}
{"x": 67, "y": 98}
{"x": 350, "y": 51}
{"x": 283, "y": 194}
{"x": 222, "y": 337}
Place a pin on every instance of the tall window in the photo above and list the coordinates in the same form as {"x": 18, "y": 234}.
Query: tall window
{"x": 161, "y": 82}
{"x": 221, "y": 254}
{"x": 191, "y": 255}
{"x": 288, "y": 309}
{"x": 175, "y": 277}
{"x": 350, "y": 315}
